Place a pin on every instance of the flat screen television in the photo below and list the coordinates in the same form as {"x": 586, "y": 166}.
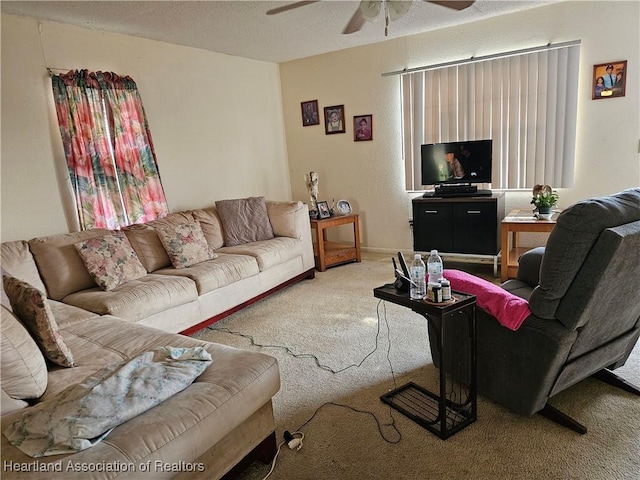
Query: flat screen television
{"x": 456, "y": 162}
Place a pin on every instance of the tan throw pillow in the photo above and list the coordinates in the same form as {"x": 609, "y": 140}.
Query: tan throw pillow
{"x": 282, "y": 216}
{"x": 30, "y": 305}
{"x": 244, "y": 220}
{"x": 18, "y": 262}
{"x": 24, "y": 371}
{"x": 110, "y": 260}
{"x": 146, "y": 243}
{"x": 211, "y": 226}
{"x": 185, "y": 244}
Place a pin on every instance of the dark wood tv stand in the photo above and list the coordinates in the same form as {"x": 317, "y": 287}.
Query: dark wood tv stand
{"x": 461, "y": 225}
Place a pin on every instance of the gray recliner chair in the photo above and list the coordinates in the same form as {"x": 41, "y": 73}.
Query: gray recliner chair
{"x": 583, "y": 290}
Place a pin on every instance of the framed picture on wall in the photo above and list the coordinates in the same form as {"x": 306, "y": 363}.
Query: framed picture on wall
{"x": 310, "y": 113}
{"x": 609, "y": 80}
{"x": 362, "y": 128}
{"x": 334, "y": 119}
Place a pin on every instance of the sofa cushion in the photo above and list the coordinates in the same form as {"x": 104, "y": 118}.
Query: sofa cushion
{"x": 268, "y": 253}
{"x": 4, "y": 300}
{"x": 234, "y": 386}
{"x": 18, "y": 262}
{"x": 137, "y": 299}
{"x": 185, "y": 244}
{"x": 8, "y": 404}
{"x": 282, "y": 216}
{"x": 61, "y": 268}
{"x": 244, "y": 220}
{"x": 217, "y": 273}
{"x": 571, "y": 240}
{"x": 24, "y": 371}
{"x": 30, "y": 305}
{"x": 80, "y": 417}
{"x": 110, "y": 260}
{"x": 211, "y": 226}
{"x": 145, "y": 241}
{"x": 67, "y": 315}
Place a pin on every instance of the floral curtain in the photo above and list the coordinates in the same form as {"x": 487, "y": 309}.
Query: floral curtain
{"x": 108, "y": 148}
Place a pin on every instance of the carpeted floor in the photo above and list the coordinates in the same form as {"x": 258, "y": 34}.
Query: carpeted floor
{"x": 350, "y": 348}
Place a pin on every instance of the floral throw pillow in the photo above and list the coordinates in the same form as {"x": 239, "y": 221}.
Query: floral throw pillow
{"x": 31, "y": 307}
{"x": 110, "y": 260}
{"x": 185, "y": 244}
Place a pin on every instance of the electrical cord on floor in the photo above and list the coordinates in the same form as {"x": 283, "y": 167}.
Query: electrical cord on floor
{"x": 367, "y": 412}
{"x": 292, "y": 441}
{"x": 295, "y": 442}
{"x": 304, "y": 355}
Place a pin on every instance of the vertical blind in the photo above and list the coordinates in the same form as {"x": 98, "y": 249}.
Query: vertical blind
{"x": 525, "y": 103}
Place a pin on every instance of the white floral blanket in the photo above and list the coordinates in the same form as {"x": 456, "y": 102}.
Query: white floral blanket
{"x": 82, "y": 415}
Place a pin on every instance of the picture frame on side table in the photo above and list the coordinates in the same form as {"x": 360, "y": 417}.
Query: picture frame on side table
{"x": 334, "y": 119}
{"x": 362, "y": 128}
{"x": 310, "y": 114}
{"x": 323, "y": 210}
{"x": 609, "y": 80}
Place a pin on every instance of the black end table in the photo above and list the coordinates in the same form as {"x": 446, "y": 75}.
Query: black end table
{"x": 453, "y": 326}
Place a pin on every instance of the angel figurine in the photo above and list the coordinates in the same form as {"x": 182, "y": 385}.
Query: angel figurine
{"x": 312, "y": 186}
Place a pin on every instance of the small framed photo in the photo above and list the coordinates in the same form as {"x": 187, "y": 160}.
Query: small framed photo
{"x": 323, "y": 210}
{"x": 609, "y": 80}
{"x": 334, "y": 119}
{"x": 362, "y": 128}
{"x": 310, "y": 113}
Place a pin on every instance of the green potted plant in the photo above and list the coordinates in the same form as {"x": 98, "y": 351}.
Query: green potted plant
{"x": 544, "y": 201}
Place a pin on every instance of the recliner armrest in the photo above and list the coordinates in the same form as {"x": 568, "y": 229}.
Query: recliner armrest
{"x": 529, "y": 266}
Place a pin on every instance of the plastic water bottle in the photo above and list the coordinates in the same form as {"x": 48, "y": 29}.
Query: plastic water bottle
{"x": 418, "y": 288}
{"x": 434, "y": 267}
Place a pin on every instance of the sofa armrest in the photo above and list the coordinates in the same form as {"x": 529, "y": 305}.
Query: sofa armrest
{"x": 529, "y": 266}
{"x": 291, "y": 219}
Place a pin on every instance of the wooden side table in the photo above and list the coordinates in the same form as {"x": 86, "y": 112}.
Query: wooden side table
{"x": 515, "y": 222}
{"x": 328, "y": 253}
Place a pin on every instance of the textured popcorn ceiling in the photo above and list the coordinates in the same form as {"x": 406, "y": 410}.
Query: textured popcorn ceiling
{"x": 242, "y": 28}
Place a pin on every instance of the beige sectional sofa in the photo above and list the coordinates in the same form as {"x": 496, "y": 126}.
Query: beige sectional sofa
{"x": 179, "y": 300}
{"x": 206, "y": 430}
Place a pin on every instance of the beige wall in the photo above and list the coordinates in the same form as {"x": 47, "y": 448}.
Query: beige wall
{"x": 216, "y": 120}
{"x": 222, "y": 135}
{"x": 370, "y": 174}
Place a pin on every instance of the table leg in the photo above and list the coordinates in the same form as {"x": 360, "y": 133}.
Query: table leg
{"x": 504, "y": 255}
{"x": 322, "y": 237}
{"x": 356, "y": 237}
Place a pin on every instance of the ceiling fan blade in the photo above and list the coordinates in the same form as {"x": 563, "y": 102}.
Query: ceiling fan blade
{"x": 455, "y": 4}
{"x": 291, "y": 6}
{"x": 355, "y": 24}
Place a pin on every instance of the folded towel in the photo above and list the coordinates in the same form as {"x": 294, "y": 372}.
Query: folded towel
{"x": 82, "y": 415}
{"x": 509, "y": 309}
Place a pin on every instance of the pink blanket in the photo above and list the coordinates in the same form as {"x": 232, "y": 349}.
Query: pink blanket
{"x": 509, "y": 309}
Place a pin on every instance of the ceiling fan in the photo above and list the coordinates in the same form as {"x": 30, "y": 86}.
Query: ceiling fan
{"x": 368, "y": 10}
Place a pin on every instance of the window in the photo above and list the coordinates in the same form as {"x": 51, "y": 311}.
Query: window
{"x": 108, "y": 149}
{"x": 525, "y": 102}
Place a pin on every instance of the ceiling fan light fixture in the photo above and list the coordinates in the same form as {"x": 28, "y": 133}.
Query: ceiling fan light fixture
{"x": 370, "y": 9}
{"x": 398, "y": 8}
